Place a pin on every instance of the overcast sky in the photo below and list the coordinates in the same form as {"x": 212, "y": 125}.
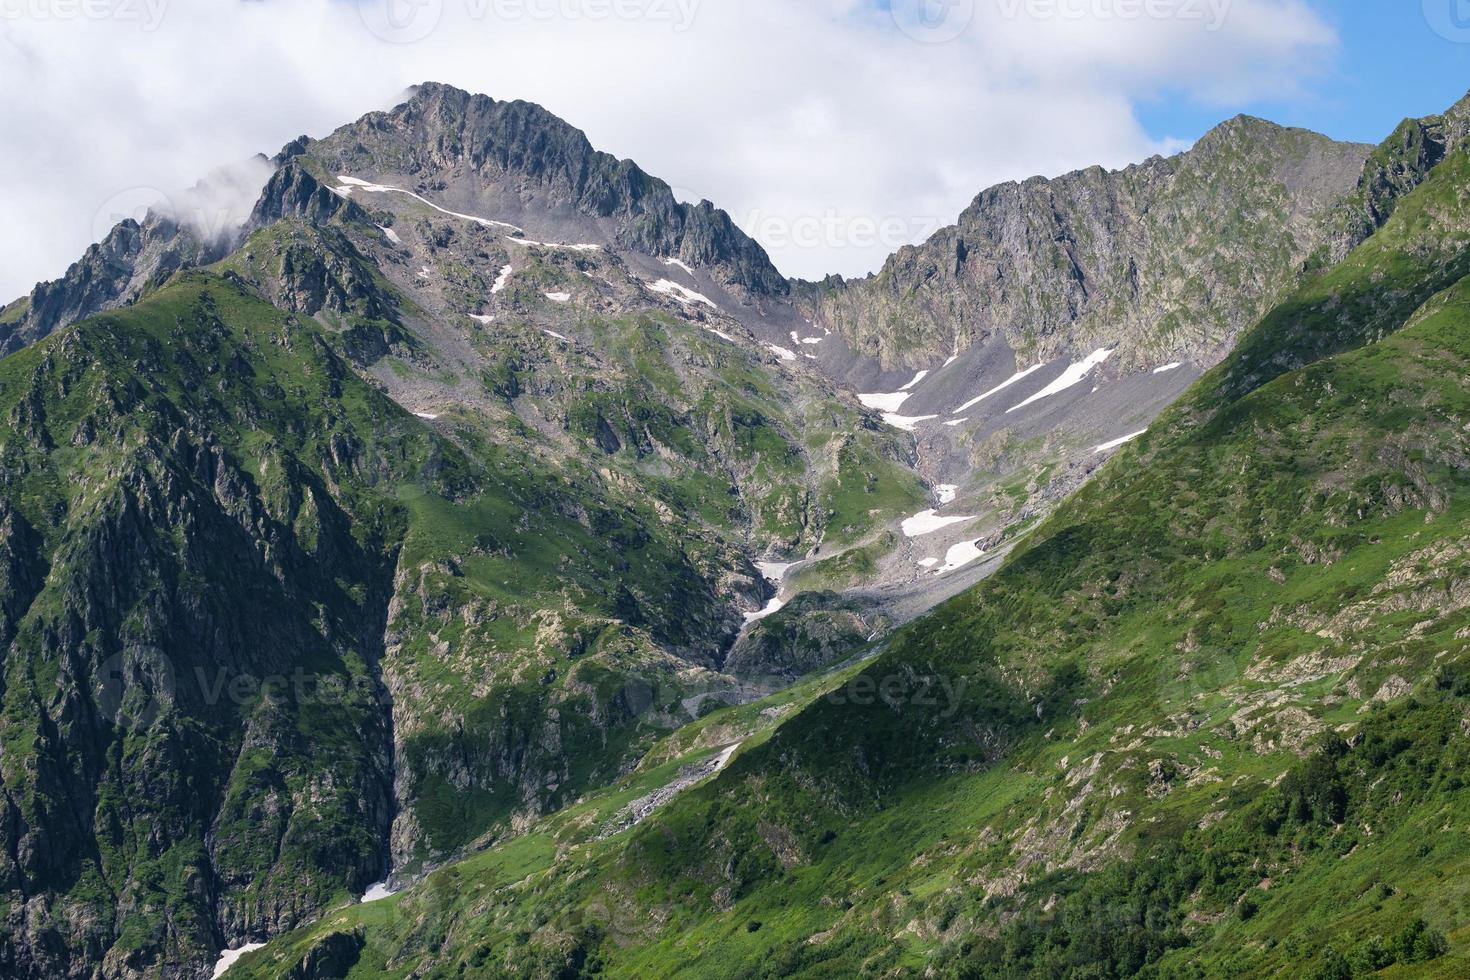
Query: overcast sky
{"x": 833, "y": 130}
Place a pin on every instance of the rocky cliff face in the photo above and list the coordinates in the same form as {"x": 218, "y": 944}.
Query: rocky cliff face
{"x": 515, "y": 158}
{"x": 267, "y": 635}
{"x": 196, "y": 750}
{"x": 199, "y": 226}
{"x": 1170, "y": 258}
{"x": 1397, "y": 166}
{"x": 133, "y": 259}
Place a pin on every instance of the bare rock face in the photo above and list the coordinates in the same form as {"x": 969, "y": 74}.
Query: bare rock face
{"x": 515, "y": 157}
{"x": 115, "y": 272}
{"x": 1171, "y": 257}
{"x": 292, "y": 192}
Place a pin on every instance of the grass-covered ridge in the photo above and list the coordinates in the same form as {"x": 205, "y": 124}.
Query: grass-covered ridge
{"x": 15, "y": 311}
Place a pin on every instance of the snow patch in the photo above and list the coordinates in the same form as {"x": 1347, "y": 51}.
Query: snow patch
{"x": 928, "y": 562}
{"x": 1168, "y": 367}
{"x": 772, "y": 607}
{"x": 947, "y": 492}
{"x": 392, "y": 235}
{"x": 378, "y": 892}
{"x": 908, "y": 423}
{"x": 956, "y": 422}
{"x": 891, "y": 402}
{"x": 775, "y": 572}
{"x": 553, "y": 333}
{"x": 1018, "y": 376}
{"x": 503, "y": 279}
{"x": 675, "y": 263}
{"x": 484, "y": 318}
{"x": 683, "y": 294}
{"x": 1072, "y": 376}
{"x": 723, "y": 759}
{"x": 559, "y": 297}
{"x": 426, "y": 416}
{"x": 885, "y": 403}
{"x": 564, "y": 246}
{"x": 962, "y": 554}
{"x": 782, "y": 352}
{"x": 1118, "y": 442}
{"x": 228, "y": 957}
{"x": 928, "y": 522}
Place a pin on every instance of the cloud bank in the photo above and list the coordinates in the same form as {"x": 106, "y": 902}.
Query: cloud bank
{"x": 833, "y": 130}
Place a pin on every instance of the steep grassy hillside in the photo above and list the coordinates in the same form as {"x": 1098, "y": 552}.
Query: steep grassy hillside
{"x": 267, "y": 632}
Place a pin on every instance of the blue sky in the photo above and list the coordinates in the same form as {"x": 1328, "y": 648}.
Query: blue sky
{"x": 1390, "y": 64}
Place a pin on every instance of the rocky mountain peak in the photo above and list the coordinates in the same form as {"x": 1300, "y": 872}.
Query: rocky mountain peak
{"x": 521, "y": 163}
{"x": 1055, "y": 265}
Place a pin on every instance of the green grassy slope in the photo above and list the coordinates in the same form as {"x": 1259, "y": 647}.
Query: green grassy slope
{"x": 252, "y": 602}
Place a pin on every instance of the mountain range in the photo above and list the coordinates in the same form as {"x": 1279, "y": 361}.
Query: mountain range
{"x": 481, "y": 531}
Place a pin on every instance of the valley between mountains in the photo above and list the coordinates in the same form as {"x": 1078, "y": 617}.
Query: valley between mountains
{"x": 481, "y": 563}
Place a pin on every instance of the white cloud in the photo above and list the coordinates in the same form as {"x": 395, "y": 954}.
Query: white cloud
{"x": 824, "y": 126}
